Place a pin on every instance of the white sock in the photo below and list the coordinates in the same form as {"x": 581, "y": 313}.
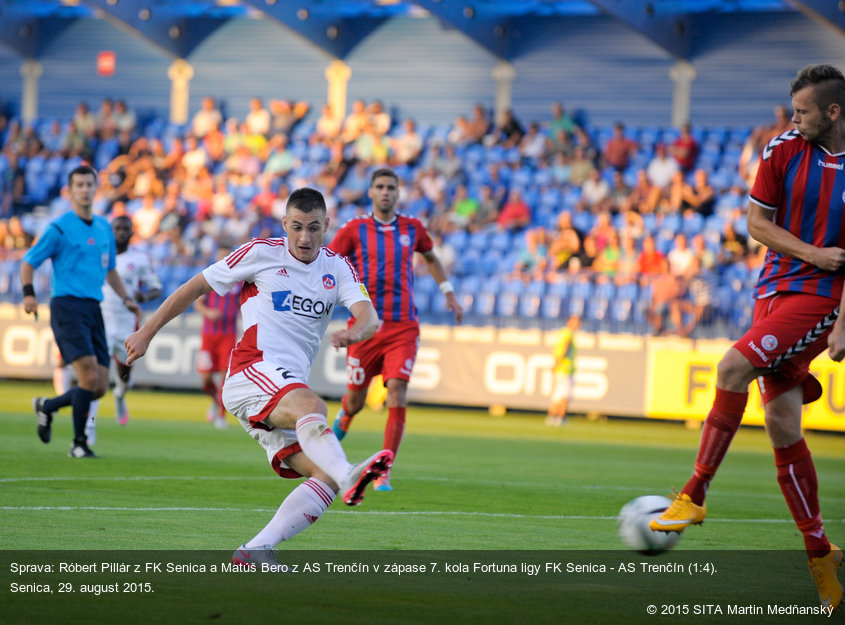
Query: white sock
{"x": 91, "y": 423}
{"x": 61, "y": 380}
{"x": 319, "y": 443}
{"x": 305, "y": 504}
{"x": 119, "y": 388}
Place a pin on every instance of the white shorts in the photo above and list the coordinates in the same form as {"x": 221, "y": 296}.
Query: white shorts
{"x": 562, "y": 388}
{"x": 118, "y": 327}
{"x": 251, "y": 395}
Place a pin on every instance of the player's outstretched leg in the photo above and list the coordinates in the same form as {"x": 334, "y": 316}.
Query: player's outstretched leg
{"x": 825, "y": 572}
{"x": 680, "y": 515}
{"x": 362, "y": 474}
{"x": 258, "y": 556}
{"x": 44, "y": 419}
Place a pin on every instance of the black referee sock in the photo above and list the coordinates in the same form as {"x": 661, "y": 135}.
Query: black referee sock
{"x": 81, "y": 407}
{"x": 52, "y": 405}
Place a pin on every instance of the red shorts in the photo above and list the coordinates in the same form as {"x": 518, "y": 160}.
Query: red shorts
{"x": 391, "y": 351}
{"x": 781, "y": 321}
{"x": 215, "y": 351}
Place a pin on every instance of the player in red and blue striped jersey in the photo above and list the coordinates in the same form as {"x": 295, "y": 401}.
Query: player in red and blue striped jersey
{"x": 797, "y": 210}
{"x": 381, "y": 246}
{"x": 219, "y": 335}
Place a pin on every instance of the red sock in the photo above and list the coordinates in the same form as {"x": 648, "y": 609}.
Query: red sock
{"x": 716, "y": 436}
{"x": 210, "y": 388}
{"x": 800, "y": 487}
{"x": 394, "y": 429}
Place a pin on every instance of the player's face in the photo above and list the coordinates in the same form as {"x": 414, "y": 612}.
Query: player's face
{"x": 82, "y": 190}
{"x": 122, "y": 229}
{"x": 384, "y": 192}
{"x": 305, "y": 232}
{"x": 812, "y": 122}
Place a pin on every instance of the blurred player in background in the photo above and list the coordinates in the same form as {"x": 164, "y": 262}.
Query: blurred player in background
{"x": 796, "y": 210}
{"x": 142, "y": 284}
{"x": 381, "y": 246}
{"x": 219, "y": 334}
{"x": 81, "y": 247}
{"x": 564, "y": 370}
{"x": 291, "y": 286}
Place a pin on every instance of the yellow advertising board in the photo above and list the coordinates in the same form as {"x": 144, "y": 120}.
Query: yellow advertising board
{"x": 682, "y": 377}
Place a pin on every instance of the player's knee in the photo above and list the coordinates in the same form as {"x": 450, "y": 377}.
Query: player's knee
{"x": 734, "y": 371}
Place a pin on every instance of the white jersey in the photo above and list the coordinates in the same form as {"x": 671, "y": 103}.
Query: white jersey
{"x": 286, "y": 304}
{"x": 135, "y": 270}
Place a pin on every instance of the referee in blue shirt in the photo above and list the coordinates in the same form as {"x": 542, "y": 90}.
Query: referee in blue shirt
{"x": 82, "y": 248}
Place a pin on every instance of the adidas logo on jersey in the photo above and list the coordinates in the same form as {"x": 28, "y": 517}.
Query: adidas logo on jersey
{"x": 282, "y": 272}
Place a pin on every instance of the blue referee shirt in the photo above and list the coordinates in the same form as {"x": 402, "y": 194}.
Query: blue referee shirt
{"x": 82, "y": 255}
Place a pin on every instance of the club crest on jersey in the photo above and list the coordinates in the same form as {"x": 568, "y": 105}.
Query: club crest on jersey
{"x": 286, "y": 301}
{"x": 769, "y": 342}
{"x": 329, "y": 282}
{"x": 404, "y": 240}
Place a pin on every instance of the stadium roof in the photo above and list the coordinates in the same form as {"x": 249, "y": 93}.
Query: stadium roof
{"x": 337, "y": 26}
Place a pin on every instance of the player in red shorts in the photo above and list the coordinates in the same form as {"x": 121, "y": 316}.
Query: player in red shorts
{"x": 381, "y": 246}
{"x": 796, "y": 210}
{"x": 219, "y": 335}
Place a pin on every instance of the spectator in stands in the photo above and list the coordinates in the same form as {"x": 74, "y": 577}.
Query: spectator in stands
{"x": 206, "y": 119}
{"x": 85, "y": 121}
{"x": 407, "y": 147}
{"x": 233, "y": 137}
{"x": 355, "y": 185}
{"x": 445, "y": 161}
{"x": 700, "y": 287}
{"x": 146, "y": 219}
{"x": 258, "y": 118}
{"x": 379, "y": 118}
{"x": 327, "y": 128}
{"x": 644, "y": 196}
{"x": 706, "y": 257}
{"x": 685, "y": 149}
{"x": 734, "y": 246}
{"x": 13, "y": 186}
{"x": 700, "y": 196}
{"x": 672, "y": 199}
{"x": 532, "y": 261}
{"x": 594, "y": 192}
{"x": 508, "y": 132}
{"x": 355, "y": 122}
{"x": 124, "y": 118}
{"x": 76, "y": 143}
{"x": 662, "y": 167}
{"x": 628, "y": 267}
{"x": 195, "y": 156}
{"x": 680, "y": 257}
{"x": 371, "y": 146}
{"x": 462, "y": 211}
{"x": 285, "y": 115}
{"x": 488, "y": 210}
{"x": 279, "y": 160}
{"x": 609, "y": 256}
{"x": 561, "y": 143}
{"x": 535, "y": 144}
{"x": 749, "y": 158}
{"x": 665, "y": 301}
{"x": 478, "y": 126}
{"x": 619, "y": 149}
{"x": 565, "y": 244}
{"x": 53, "y": 137}
{"x": 104, "y": 119}
{"x": 214, "y": 144}
{"x": 620, "y": 192}
{"x": 560, "y": 169}
{"x": 581, "y": 166}
{"x": 650, "y": 260}
{"x": 460, "y": 132}
{"x": 255, "y": 141}
{"x": 515, "y": 214}
{"x": 561, "y": 121}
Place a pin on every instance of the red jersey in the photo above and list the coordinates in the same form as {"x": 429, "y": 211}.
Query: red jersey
{"x": 805, "y": 186}
{"x": 383, "y": 254}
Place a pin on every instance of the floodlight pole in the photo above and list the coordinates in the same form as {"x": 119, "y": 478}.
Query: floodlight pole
{"x": 180, "y": 74}
{"x": 31, "y": 71}
{"x": 337, "y": 74}
{"x": 682, "y": 74}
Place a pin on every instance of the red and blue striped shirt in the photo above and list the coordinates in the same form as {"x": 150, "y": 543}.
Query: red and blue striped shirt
{"x": 229, "y": 305}
{"x": 383, "y": 255}
{"x": 805, "y": 186}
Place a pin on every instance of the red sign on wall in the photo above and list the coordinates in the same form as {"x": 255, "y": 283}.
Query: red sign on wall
{"x": 106, "y": 61}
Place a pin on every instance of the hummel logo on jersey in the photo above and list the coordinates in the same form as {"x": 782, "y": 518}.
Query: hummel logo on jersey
{"x": 286, "y": 301}
{"x": 282, "y": 272}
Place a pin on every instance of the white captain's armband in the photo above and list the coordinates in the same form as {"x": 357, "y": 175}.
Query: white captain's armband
{"x": 446, "y": 287}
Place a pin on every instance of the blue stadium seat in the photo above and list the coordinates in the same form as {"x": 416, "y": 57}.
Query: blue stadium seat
{"x": 581, "y": 293}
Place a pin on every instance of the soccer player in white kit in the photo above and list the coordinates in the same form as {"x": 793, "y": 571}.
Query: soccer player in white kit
{"x": 142, "y": 284}
{"x": 291, "y": 287}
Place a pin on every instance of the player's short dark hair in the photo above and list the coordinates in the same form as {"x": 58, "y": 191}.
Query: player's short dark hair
{"x": 381, "y": 172}
{"x": 827, "y": 81}
{"x": 81, "y": 170}
{"x": 307, "y": 200}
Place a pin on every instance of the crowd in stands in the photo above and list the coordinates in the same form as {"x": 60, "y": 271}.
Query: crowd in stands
{"x": 633, "y": 229}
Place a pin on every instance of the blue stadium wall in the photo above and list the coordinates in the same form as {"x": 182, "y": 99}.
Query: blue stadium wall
{"x": 432, "y": 72}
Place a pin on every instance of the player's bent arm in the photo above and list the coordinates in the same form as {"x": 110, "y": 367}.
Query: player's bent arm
{"x": 763, "y": 229}
{"x": 177, "y": 303}
{"x": 113, "y": 278}
{"x": 365, "y": 325}
{"x": 438, "y": 272}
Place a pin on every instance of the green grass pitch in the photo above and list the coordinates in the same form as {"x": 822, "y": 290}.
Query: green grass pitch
{"x": 469, "y": 487}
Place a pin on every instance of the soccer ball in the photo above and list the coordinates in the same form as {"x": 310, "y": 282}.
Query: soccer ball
{"x": 634, "y": 531}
